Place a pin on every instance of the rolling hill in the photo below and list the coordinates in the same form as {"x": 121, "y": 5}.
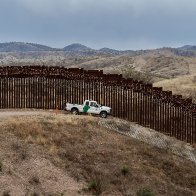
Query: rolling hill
{"x": 161, "y": 64}
{"x": 186, "y": 50}
{"x": 46, "y": 154}
{"x": 76, "y": 47}
{"x": 185, "y": 85}
{"x": 23, "y": 47}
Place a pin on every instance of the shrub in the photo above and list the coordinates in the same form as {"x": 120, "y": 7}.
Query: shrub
{"x": 1, "y": 167}
{"x": 144, "y": 192}
{"x": 6, "y": 193}
{"x": 23, "y": 155}
{"x": 125, "y": 170}
{"x": 21, "y": 151}
{"x": 95, "y": 185}
{"x": 194, "y": 79}
{"x": 16, "y": 146}
{"x": 34, "y": 180}
{"x": 35, "y": 194}
{"x": 192, "y": 181}
{"x": 92, "y": 185}
{"x": 130, "y": 72}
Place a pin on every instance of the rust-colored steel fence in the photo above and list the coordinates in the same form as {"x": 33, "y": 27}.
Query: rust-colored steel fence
{"x": 48, "y": 87}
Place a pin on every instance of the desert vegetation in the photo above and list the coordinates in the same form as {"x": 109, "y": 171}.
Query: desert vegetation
{"x": 185, "y": 86}
{"x": 131, "y": 72}
{"x": 97, "y": 160}
{"x": 73, "y": 155}
{"x": 159, "y": 64}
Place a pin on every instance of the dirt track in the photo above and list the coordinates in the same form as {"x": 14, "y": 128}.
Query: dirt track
{"x": 9, "y": 113}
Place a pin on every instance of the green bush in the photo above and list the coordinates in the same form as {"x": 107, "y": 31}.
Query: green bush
{"x": 95, "y": 185}
{"x": 92, "y": 185}
{"x": 192, "y": 181}
{"x": 125, "y": 170}
{"x": 144, "y": 192}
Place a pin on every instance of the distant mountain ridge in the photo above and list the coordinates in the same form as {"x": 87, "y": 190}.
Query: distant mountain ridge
{"x": 188, "y": 47}
{"x": 79, "y": 49}
{"x": 23, "y": 47}
{"x": 76, "y": 47}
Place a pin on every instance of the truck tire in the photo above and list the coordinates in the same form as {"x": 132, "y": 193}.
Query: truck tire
{"x": 103, "y": 114}
{"x": 74, "y": 111}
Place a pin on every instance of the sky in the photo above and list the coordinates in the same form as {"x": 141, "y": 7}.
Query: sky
{"x": 118, "y": 24}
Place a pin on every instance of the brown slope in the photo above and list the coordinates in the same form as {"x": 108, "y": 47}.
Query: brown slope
{"x": 185, "y": 85}
{"x": 95, "y": 156}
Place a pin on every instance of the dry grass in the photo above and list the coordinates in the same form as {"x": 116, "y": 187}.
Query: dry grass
{"x": 109, "y": 163}
{"x": 185, "y": 86}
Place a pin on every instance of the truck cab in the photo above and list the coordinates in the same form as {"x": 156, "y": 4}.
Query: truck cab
{"x": 89, "y": 106}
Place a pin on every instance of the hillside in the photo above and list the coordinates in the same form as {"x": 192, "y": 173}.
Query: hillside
{"x": 23, "y": 47}
{"x": 185, "y": 86}
{"x": 47, "y": 154}
{"x": 188, "y": 47}
{"x": 83, "y": 50}
{"x": 76, "y": 47}
{"x": 161, "y": 64}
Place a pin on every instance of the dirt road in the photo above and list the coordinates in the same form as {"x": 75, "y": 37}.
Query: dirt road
{"x": 4, "y": 114}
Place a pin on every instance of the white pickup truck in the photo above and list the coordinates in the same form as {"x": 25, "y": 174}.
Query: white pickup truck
{"x": 89, "y": 106}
